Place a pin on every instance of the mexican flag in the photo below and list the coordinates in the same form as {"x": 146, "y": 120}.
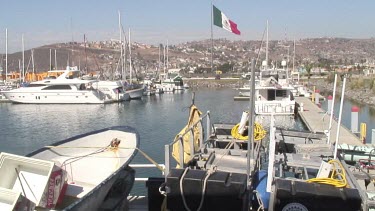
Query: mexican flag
{"x": 222, "y": 21}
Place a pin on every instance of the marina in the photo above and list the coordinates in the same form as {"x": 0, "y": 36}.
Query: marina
{"x": 173, "y": 115}
{"x": 126, "y": 113}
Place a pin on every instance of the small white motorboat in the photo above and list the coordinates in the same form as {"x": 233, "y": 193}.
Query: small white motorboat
{"x": 85, "y": 172}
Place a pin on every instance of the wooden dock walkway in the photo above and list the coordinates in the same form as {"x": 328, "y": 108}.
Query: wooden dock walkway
{"x": 317, "y": 120}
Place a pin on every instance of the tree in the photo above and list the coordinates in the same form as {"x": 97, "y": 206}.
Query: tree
{"x": 309, "y": 66}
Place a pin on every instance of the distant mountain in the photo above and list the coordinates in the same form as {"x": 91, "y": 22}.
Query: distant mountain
{"x": 196, "y": 55}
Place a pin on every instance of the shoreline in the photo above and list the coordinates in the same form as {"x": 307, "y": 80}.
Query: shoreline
{"x": 362, "y": 96}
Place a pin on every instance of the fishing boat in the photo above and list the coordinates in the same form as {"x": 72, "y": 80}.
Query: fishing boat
{"x": 85, "y": 172}
{"x": 211, "y": 172}
{"x": 67, "y": 88}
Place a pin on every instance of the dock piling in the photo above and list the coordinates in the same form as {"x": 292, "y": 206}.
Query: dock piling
{"x": 363, "y": 129}
{"x": 354, "y": 119}
{"x": 317, "y": 96}
{"x": 329, "y": 103}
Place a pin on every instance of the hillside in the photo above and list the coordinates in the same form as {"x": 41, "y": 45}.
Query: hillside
{"x": 228, "y": 55}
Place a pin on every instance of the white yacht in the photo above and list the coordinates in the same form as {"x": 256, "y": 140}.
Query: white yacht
{"x": 65, "y": 89}
{"x": 171, "y": 82}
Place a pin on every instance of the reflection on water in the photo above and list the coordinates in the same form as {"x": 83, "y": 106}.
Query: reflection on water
{"x": 366, "y": 115}
{"x": 371, "y": 111}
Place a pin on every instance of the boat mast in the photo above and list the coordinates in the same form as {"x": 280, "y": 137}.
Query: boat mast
{"x": 212, "y": 40}
{"x": 124, "y": 43}
{"x": 32, "y": 59}
{"x": 55, "y": 60}
{"x": 121, "y": 46}
{"x": 167, "y": 56}
{"x": 50, "y": 59}
{"x": 130, "y": 60}
{"x": 294, "y": 52}
{"x": 23, "y": 60}
{"x": 250, "y": 145}
{"x": 266, "y": 46}
{"x": 164, "y": 58}
{"x": 19, "y": 67}
{"x": 159, "y": 60}
{"x": 6, "y": 54}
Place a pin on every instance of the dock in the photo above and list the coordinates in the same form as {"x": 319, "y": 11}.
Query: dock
{"x": 317, "y": 120}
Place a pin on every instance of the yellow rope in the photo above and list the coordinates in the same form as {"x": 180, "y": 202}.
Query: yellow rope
{"x": 337, "y": 178}
{"x": 259, "y": 132}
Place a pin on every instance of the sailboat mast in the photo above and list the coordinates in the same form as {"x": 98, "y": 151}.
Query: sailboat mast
{"x": 121, "y": 45}
{"x": 32, "y": 59}
{"x": 167, "y": 55}
{"x": 130, "y": 59}
{"x": 159, "y": 60}
{"x": 23, "y": 60}
{"x": 266, "y": 46}
{"x": 294, "y": 52}
{"x": 55, "y": 59}
{"x": 212, "y": 40}
{"x": 6, "y": 54}
{"x": 19, "y": 67}
{"x": 164, "y": 58}
{"x": 50, "y": 59}
{"x": 124, "y": 43}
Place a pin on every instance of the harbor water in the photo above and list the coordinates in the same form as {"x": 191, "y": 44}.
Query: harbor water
{"x": 27, "y": 127}
{"x": 366, "y": 115}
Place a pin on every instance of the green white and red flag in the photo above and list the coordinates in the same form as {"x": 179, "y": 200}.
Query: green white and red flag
{"x": 222, "y": 21}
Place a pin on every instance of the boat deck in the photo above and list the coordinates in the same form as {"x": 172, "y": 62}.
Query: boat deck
{"x": 317, "y": 120}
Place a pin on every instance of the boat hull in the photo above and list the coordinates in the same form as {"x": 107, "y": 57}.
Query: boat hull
{"x": 72, "y": 97}
{"x": 135, "y": 93}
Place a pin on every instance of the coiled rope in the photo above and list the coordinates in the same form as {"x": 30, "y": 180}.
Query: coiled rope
{"x": 259, "y": 132}
{"x": 337, "y": 178}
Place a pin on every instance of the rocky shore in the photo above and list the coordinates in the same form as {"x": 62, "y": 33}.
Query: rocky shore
{"x": 357, "y": 89}
{"x": 360, "y": 92}
{"x": 224, "y": 83}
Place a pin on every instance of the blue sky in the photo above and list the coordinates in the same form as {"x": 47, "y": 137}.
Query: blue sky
{"x": 154, "y": 21}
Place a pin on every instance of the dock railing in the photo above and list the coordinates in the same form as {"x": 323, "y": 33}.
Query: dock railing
{"x": 179, "y": 140}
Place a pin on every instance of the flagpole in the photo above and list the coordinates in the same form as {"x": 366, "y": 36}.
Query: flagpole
{"x": 212, "y": 40}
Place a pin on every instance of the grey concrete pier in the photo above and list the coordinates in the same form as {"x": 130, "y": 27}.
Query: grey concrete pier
{"x": 317, "y": 120}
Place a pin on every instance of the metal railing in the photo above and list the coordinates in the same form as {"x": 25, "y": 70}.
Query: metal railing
{"x": 180, "y": 141}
